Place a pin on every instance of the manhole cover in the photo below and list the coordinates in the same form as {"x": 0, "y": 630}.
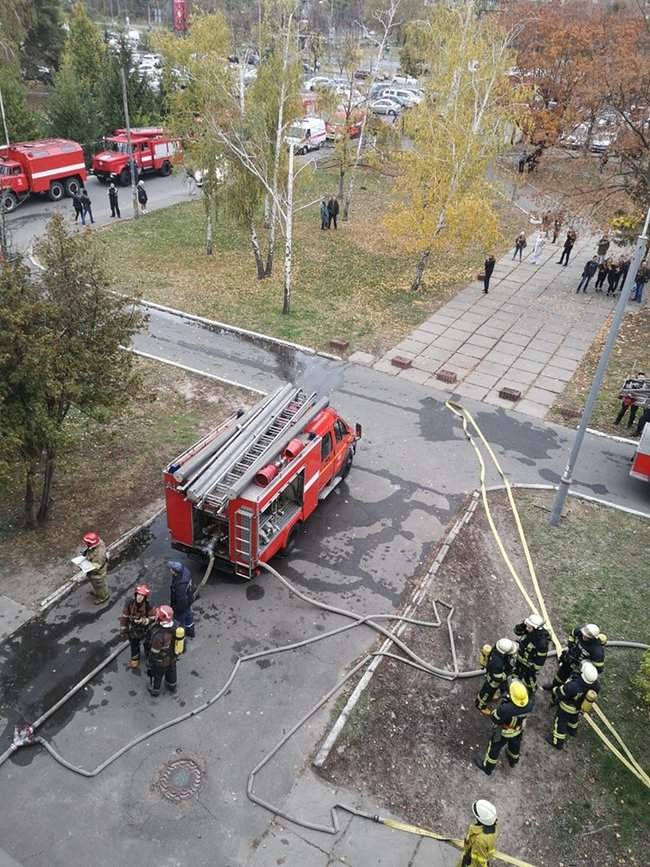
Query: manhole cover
{"x": 180, "y": 780}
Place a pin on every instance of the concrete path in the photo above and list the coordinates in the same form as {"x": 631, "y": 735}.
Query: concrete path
{"x": 529, "y": 333}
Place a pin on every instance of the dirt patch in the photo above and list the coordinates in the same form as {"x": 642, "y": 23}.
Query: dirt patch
{"x": 109, "y": 477}
{"x": 412, "y": 738}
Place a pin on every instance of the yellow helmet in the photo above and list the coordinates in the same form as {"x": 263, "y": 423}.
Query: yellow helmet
{"x": 518, "y": 693}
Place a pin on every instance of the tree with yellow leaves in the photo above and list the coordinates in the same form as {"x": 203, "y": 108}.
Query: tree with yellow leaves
{"x": 466, "y": 118}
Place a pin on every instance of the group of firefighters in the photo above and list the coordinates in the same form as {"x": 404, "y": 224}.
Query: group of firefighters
{"x": 161, "y": 630}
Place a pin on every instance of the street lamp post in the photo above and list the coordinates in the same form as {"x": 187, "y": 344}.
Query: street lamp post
{"x": 567, "y": 476}
{"x": 129, "y": 144}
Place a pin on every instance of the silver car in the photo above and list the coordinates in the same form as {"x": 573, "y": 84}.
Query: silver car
{"x": 389, "y": 107}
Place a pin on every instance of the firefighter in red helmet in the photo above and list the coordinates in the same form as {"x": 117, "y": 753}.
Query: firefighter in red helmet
{"x": 95, "y": 552}
{"x": 136, "y": 621}
{"x": 166, "y": 645}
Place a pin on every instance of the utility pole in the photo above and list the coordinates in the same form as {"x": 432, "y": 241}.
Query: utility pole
{"x": 4, "y": 242}
{"x": 288, "y": 237}
{"x": 134, "y": 192}
{"x": 567, "y": 477}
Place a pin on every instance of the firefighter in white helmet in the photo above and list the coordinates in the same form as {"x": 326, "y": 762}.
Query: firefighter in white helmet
{"x": 575, "y": 695}
{"x": 500, "y": 664}
{"x": 585, "y": 643}
{"x": 481, "y": 838}
{"x": 509, "y": 719}
{"x": 532, "y": 650}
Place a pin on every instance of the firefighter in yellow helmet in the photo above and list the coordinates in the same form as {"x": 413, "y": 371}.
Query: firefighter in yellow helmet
{"x": 481, "y": 838}
{"x": 509, "y": 719}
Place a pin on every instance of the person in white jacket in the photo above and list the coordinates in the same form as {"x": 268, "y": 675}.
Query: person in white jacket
{"x": 540, "y": 241}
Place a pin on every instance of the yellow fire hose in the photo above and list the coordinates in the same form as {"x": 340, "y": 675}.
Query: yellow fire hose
{"x": 628, "y": 760}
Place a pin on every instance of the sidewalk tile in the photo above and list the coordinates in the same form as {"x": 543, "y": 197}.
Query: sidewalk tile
{"x": 541, "y": 395}
{"x": 422, "y": 362}
{"x": 422, "y": 336}
{"x": 414, "y": 375}
{"x": 492, "y": 397}
{"x": 386, "y": 367}
{"x": 481, "y": 340}
{"x": 535, "y": 355}
{"x": 523, "y": 377}
{"x": 560, "y": 373}
{"x": 500, "y": 357}
{"x": 359, "y": 357}
{"x": 557, "y": 386}
{"x": 518, "y": 339}
{"x": 559, "y": 362}
{"x": 451, "y": 343}
{"x": 528, "y": 407}
{"x": 438, "y": 352}
{"x": 456, "y": 334}
{"x": 475, "y": 351}
{"x": 458, "y": 360}
{"x": 483, "y": 380}
{"x": 403, "y": 352}
{"x": 443, "y": 318}
{"x": 571, "y": 352}
{"x": 369, "y": 844}
{"x": 489, "y": 331}
{"x": 432, "y": 327}
{"x": 474, "y": 391}
{"x": 508, "y": 347}
{"x": 409, "y": 346}
{"x": 491, "y": 367}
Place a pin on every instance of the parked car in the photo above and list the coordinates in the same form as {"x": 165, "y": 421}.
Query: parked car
{"x": 405, "y": 81}
{"x": 362, "y": 74}
{"x": 406, "y": 98}
{"x": 317, "y": 81}
{"x": 308, "y": 134}
{"x": 377, "y": 91}
{"x": 386, "y": 106}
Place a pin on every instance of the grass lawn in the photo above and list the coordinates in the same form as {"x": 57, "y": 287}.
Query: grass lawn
{"x": 350, "y": 284}
{"x": 631, "y": 354}
{"x": 109, "y": 478}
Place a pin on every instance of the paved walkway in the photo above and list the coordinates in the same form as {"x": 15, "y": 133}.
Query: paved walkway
{"x": 529, "y": 333}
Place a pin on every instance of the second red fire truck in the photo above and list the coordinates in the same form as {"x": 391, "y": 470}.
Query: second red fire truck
{"x": 242, "y": 493}
{"x": 153, "y": 151}
{"x": 54, "y": 166}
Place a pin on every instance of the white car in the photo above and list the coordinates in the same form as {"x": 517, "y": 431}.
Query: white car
{"x": 317, "y": 81}
{"x": 389, "y": 107}
{"x": 407, "y": 98}
{"x": 405, "y": 81}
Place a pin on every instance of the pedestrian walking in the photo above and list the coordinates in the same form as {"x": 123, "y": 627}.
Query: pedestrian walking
{"x": 78, "y": 207}
{"x": 166, "y": 645}
{"x": 181, "y": 596}
{"x": 642, "y": 277}
{"x": 95, "y": 552}
{"x": 333, "y": 208}
{"x": 143, "y": 198}
{"x": 643, "y": 421}
{"x": 576, "y": 695}
{"x": 521, "y": 165}
{"x": 538, "y": 247}
{"x": 557, "y": 225}
{"x": 480, "y": 841}
{"x": 324, "y": 215}
{"x": 602, "y": 248}
{"x": 567, "y": 247}
{"x": 603, "y": 269}
{"x": 624, "y": 267}
{"x": 520, "y": 245}
{"x": 587, "y": 273}
{"x": 86, "y": 207}
{"x": 612, "y": 277}
{"x": 547, "y": 222}
{"x": 629, "y": 403}
{"x": 113, "y": 201}
{"x": 499, "y": 664}
{"x": 585, "y": 643}
{"x": 488, "y": 268}
{"x": 509, "y": 719}
{"x": 532, "y": 650}
{"x": 136, "y": 621}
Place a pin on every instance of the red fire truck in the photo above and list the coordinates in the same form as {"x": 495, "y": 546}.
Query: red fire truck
{"x": 242, "y": 492}
{"x": 54, "y": 166}
{"x": 153, "y": 151}
{"x": 641, "y": 460}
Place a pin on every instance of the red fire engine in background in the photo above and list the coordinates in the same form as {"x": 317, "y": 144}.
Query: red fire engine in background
{"x": 54, "y": 166}
{"x": 242, "y": 492}
{"x": 153, "y": 151}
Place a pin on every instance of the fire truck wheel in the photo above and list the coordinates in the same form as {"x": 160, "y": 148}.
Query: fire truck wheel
{"x": 166, "y": 169}
{"x": 57, "y": 191}
{"x": 124, "y": 178}
{"x": 347, "y": 464}
{"x": 72, "y": 186}
{"x": 291, "y": 541}
{"x": 8, "y": 201}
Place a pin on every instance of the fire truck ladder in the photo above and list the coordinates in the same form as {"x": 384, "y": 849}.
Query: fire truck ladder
{"x": 292, "y": 409}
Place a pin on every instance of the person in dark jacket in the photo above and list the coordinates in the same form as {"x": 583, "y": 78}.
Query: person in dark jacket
{"x": 532, "y": 650}
{"x": 585, "y": 643}
{"x": 570, "y": 699}
{"x": 113, "y": 201}
{"x": 557, "y": 225}
{"x": 612, "y": 277}
{"x": 488, "y": 268}
{"x": 587, "y": 273}
{"x": 136, "y": 620}
{"x": 143, "y": 198}
{"x": 623, "y": 267}
{"x": 500, "y": 665}
{"x": 603, "y": 271}
{"x": 333, "y": 208}
{"x": 642, "y": 277}
{"x": 509, "y": 720}
{"x": 181, "y": 596}
{"x": 602, "y": 248}
{"x": 568, "y": 246}
{"x": 324, "y": 215}
{"x": 165, "y": 646}
{"x": 86, "y": 207}
{"x": 78, "y": 207}
{"x": 520, "y": 245}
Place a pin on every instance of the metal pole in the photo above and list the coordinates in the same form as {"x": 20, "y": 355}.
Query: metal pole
{"x": 567, "y": 477}
{"x": 134, "y": 192}
{"x": 4, "y": 119}
{"x": 288, "y": 237}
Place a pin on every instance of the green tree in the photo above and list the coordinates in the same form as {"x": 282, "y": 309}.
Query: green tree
{"x": 60, "y": 356}
{"x": 45, "y": 37}
{"x": 72, "y": 110}
{"x": 144, "y": 104}
{"x": 85, "y": 48}
{"x": 22, "y": 123}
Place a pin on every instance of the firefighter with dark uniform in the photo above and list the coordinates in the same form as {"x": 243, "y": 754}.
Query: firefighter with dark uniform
{"x": 585, "y": 643}
{"x": 575, "y": 696}
{"x": 532, "y": 650}
{"x": 509, "y": 719}
{"x": 95, "y": 553}
{"x": 480, "y": 841}
{"x": 165, "y": 646}
{"x": 499, "y": 664}
{"x": 136, "y": 621}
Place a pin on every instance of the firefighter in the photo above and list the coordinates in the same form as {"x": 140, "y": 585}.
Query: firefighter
{"x": 95, "y": 552}
{"x": 165, "y": 646}
{"x": 136, "y": 620}
{"x": 532, "y": 650}
{"x": 575, "y": 695}
{"x": 480, "y": 842}
{"x": 509, "y": 718}
{"x": 181, "y": 596}
{"x": 585, "y": 643}
{"x": 499, "y": 665}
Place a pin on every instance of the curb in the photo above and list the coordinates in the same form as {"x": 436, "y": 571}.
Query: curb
{"x": 614, "y": 437}
{"x": 418, "y": 595}
{"x": 334, "y": 732}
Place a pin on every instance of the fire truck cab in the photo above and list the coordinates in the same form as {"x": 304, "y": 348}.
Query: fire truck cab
{"x": 54, "y": 166}
{"x": 641, "y": 461}
{"x": 242, "y": 492}
{"x": 153, "y": 151}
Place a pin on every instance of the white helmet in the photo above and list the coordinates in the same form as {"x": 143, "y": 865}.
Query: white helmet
{"x": 590, "y": 630}
{"x": 534, "y": 621}
{"x": 484, "y": 812}
{"x": 588, "y": 672}
{"x": 505, "y": 645}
